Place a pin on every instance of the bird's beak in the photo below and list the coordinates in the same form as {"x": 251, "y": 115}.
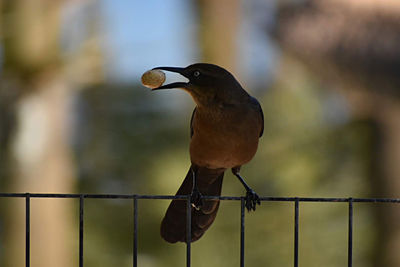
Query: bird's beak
{"x": 175, "y": 84}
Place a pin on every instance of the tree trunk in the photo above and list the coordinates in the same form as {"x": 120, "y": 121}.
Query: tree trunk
{"x": 388, "y": 182}
{"x": 219, "y": 32}
{"x": 42, "y": 163}
{"x": 38, "y": 150}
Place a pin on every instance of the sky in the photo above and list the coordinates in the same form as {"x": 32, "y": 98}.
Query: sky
{"x": 139, "y": 35}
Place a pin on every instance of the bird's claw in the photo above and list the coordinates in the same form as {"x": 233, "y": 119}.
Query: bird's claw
{"x": 196, "y": 199}
{"x": 251, "y": 200}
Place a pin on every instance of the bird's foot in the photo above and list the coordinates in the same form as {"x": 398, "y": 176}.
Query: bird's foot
{"x": 196, "y": 199}
{"x": 251, "y": 200}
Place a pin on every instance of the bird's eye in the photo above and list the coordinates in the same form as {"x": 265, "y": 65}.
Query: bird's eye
{"x": 196, "y": 73}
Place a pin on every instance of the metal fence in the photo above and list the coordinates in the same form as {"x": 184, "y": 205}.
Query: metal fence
{"x": 295, "y": 200}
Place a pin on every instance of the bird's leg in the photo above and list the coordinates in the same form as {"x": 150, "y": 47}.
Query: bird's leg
{"x": 252, "y": 199}
{"x": 196, "y": 197}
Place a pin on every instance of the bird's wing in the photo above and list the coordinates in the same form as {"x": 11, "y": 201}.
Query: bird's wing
{"x": 255, "y": 101}
{"x": 191, "y": 123}
{"x": 262, "y": 121}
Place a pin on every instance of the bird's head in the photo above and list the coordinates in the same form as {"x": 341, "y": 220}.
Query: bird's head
{"x": 206, "y": 82}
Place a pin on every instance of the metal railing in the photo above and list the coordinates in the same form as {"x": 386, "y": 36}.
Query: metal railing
{"x": 296, "y": 201}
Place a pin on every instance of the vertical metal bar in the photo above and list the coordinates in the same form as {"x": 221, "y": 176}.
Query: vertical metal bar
{"x": 296, "y": 233}
{"x": 135, "y": 228}
{"x": 242, "y": 232}
{"x": 81, "y": 203}
{"x": 27, "y": 230}
{"x": 188, "y": 230}
{"x": 350, "y": 246}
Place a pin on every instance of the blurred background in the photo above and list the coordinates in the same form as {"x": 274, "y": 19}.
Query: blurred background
{"x": 74, "y": 118}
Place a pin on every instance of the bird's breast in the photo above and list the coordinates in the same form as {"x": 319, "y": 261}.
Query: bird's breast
{"x": 226, "y": 138}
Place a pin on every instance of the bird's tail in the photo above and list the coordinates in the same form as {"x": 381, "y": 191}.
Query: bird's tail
{"x": 173, "y": 226}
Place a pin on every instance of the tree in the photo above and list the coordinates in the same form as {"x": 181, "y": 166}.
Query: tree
{"x": 36, "y": 132}
{"x": 355, "y": 45}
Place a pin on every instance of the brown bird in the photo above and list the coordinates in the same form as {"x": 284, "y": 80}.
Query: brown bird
{"x": 225, "y": 127}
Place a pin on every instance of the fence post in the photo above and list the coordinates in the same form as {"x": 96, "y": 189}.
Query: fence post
{"x": 242, "y": 213}
{"x": 27, "y": 230}
{"x": 188, "y": 229}
{"x": 350, "y": 248}
{"x": 81, "y": 203}
{"x": 296, "y": 232}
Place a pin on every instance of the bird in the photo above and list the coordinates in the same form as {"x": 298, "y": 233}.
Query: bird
{"x": 225, "y": 128}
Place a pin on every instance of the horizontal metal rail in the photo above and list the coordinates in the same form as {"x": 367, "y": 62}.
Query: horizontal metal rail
{"x": 135, "y": 197}
{"x": 184, "y": 197}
